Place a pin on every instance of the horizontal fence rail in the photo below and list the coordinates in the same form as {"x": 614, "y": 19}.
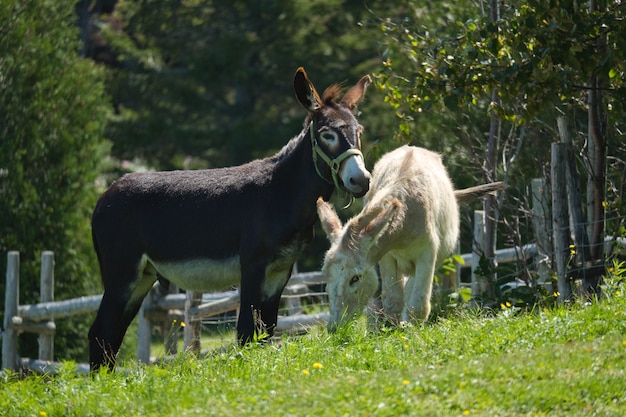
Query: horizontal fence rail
{"x": 60, "y": 309}
{"x": 164, "y": 309}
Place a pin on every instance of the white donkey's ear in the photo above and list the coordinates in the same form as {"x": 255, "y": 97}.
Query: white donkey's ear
{"x": 331, "y": 224}
{"x": 363, "y": 232}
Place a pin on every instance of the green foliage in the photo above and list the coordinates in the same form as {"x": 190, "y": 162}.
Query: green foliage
{"x": 443, "y": 66}
{"x": 537, "y": 55}
{"x": 445, "y": 63}
{"x": 52, "y": 115}
{"x": 205, "y": 84}
{"x": 557, "y": 362}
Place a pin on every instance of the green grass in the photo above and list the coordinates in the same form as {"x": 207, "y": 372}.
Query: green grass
{"x": 568, "y": 361}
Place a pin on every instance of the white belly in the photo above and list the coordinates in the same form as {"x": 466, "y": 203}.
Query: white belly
{"x": 205, "y": 275}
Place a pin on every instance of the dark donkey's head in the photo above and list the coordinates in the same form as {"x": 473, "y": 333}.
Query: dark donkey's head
{"x": 335, "y": 133}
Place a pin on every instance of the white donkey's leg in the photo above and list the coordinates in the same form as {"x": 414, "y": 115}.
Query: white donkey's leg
{"x": 419, "y": 287}
{"x": 392, "y": 293}
{"x": 375, "y": 317}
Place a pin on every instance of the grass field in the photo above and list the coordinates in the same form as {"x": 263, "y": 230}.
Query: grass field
{"x": 566, "y": 361}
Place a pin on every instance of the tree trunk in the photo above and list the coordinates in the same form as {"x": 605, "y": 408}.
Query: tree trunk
{"x": 597, "y": 165}
{"x": 560, "y": 229}
{"x": 574, "y": 197}
{"x": 490, "y": 171}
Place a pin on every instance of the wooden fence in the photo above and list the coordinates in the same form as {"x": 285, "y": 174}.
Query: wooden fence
{"x": 192, "y": 308}
{"x": 164, "y": 310}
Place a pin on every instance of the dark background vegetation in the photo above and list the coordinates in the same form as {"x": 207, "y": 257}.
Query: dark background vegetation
{"x": 92, "y": 89}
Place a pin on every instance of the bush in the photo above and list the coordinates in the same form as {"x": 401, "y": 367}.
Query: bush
{"x": 53, "y": 111}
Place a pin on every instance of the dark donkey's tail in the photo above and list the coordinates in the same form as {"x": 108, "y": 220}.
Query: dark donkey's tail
{"x": 472, "y": 193}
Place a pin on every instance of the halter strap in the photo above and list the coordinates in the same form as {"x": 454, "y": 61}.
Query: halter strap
{"x": 333, "y": 164}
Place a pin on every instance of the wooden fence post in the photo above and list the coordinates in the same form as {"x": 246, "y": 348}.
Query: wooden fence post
{"x": 451, "y": 282}
{"x": 46, "y": 341}
{"x": 290, "y": 294}
{"x": 574, "y": 196}
{"x": 560, "y": 234}
{"x": 480, "y": 286}
{"x": 455, "y": 277}
{"x": 191, "y": 333}
{"x": 171, "y": 325}
{"x": 144, "y": 330}
{"x": 542, "y": 221}
{"x": 11, "y": 303}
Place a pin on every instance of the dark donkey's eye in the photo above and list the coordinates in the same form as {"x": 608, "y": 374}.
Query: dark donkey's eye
{"x": 354, "y": 279}
{"x": 329, "y": 137}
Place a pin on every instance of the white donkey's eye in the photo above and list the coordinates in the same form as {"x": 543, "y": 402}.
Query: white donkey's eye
{"x": 354, "y": 279}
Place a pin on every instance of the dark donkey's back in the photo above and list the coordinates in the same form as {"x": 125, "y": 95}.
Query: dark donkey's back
{"x": 208, "y": 229}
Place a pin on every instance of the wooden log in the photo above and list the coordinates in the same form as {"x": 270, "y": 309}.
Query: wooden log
{"x": 144, "y": 329}
{"x": 168, "y": 302}
{"x": 48, "y": 367}
{"x": 560, "y": 230}
{"x": 43, "y": 328}
{"x": 542, "y": 225}
{"x": 574, "y": 196}
{"x": 11, "y": 304}
{"x": 309, "y": 278}
{"x": 300, "y": 322}
{"x": 177, "y": 301}
{"x": 46, "y": 294}
{"x": 157, "y": 315}
{"x": 197, "y": 312}
{"x": 191, "y": 333}
{"x": 39, "y": 366}
{"x": 480, "y": 286}
{"x": 292, "y": 298}
{"x": 60, "y": 309}
{"x": 171, "y": 325}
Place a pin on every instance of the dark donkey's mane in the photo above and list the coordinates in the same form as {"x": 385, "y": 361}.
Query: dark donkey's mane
{"x": 209, "y": 229}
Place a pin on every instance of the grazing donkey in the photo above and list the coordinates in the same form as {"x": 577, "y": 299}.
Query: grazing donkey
{"x": 206, "y": 230}
{"x": 409, "y": 224}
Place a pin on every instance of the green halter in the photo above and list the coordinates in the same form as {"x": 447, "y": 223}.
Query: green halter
{"x": 333, "y": 164}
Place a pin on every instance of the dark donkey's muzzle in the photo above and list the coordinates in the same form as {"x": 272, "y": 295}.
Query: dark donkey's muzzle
{"x": 355, "y": 178}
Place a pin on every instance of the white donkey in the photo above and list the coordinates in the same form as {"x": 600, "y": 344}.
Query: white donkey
{"x": 409, "y": 224}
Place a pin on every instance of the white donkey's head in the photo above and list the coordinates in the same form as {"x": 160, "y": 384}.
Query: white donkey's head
{"x": 348, "y": 264}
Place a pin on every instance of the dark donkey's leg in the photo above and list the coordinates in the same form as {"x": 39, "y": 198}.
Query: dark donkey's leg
{"x": 268, "y": 314}
{"x": 252, "y": 277}
{"x": 270, "y": 305}
{"x": 119, "y": 306}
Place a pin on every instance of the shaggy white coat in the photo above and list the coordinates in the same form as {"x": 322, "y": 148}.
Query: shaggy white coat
{"x": 409, "y": 224}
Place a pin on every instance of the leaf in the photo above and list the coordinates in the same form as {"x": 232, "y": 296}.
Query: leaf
{"x": 451, "y": 101}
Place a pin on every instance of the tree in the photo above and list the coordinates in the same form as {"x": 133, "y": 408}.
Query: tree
{"x": 543, "y": 58}
{"x": 53, "y": 110}
{"x": 206, "y": 84}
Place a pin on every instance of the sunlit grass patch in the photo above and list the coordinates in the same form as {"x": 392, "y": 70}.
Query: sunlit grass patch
{"x": 548, "y": 362}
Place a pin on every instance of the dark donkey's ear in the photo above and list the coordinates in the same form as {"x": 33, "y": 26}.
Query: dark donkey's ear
{"x": 356, "y": 93}
{"x": 305, "y": 92}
